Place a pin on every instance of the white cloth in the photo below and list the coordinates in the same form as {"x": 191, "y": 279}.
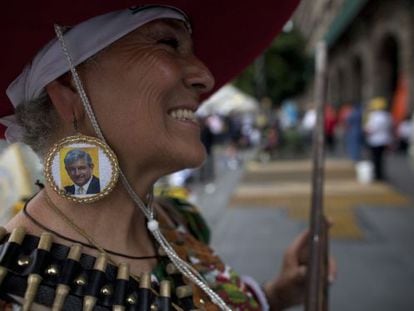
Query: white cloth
{"x": 258, "y": 291}
{"x": 309, "y": 120}
{"x": 83, "y": 40}
{"x": 378, "y": 128}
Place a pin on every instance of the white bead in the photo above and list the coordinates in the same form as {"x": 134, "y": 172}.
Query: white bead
{"x": 152, "y": 225}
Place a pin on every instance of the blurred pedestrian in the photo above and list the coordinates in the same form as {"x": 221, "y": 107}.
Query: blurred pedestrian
{"x": 330, "y": 125}
{"x": 308, "y": 124}
{"x": 378, "y": 131}
{"x": 289, "y": 115}
{"x": 341, "y": 127}
{"x": 271, "y": 141}
{"x": 207, "y": 138}
{"x": 234, "y": 127}
{"x": 404, "y": 132}
{"x": 354, "y": 134}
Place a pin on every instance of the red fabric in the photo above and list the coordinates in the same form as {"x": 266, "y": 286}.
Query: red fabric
{"x": 228, "y": 34}
{"x": 330, "y": 120}
{"x": 399, "y": 103}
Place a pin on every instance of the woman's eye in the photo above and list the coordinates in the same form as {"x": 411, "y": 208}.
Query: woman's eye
{"x": 172, "y": 42}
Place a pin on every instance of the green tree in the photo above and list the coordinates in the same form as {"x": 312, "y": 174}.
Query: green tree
{"x": 286, "y": 69}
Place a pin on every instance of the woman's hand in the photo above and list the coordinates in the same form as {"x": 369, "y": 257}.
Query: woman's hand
{"x": 288, "y": 288}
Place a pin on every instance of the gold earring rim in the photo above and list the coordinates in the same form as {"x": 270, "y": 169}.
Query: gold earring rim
{"x": 78, "y": 139}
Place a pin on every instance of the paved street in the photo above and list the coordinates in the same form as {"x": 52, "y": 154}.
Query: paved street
{"x": 255, "y": 212}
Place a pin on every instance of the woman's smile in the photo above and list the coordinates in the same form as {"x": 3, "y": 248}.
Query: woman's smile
{"x": 185, "y": 116}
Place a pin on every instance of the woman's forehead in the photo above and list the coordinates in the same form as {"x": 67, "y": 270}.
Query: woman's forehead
{"x": 145, "y": 36}
{"x": 154, "y": 31}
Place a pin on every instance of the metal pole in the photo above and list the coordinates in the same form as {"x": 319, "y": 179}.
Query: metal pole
{"x": 316, "y": 299}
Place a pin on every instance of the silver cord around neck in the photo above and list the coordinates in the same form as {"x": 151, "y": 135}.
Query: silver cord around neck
{"x": 185, "y": 268}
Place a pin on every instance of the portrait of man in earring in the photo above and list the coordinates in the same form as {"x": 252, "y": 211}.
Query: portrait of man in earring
{"x": 79, "y": 166}
{"x": 81, "y": 169}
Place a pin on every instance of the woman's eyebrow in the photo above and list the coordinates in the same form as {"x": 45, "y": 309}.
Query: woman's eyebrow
{"x": 168, "y": 28}
{"x": 166, "y": 25}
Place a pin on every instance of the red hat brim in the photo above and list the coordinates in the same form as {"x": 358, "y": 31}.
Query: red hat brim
{"x": 227, "y": 34}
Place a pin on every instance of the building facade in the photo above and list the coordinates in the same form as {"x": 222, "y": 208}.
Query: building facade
{"x": 371, "y": 48}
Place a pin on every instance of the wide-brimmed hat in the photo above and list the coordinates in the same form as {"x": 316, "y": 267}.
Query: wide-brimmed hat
{"x": 227, "y": 34}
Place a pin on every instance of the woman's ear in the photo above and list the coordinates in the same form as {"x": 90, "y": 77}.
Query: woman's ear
{"x": 65, "y": 99}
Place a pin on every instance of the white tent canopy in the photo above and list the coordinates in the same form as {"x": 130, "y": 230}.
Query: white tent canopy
{"x": 228, "y": 99}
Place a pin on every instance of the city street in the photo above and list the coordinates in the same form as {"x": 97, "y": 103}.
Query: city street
{"x": 256, "y": 211}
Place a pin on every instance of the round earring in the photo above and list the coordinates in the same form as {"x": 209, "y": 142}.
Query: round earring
{"x": 81, "y": 168}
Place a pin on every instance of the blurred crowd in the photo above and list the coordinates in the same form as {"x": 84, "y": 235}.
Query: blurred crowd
{"x": 361, "y": 133}
{"x": 351, "y": 130}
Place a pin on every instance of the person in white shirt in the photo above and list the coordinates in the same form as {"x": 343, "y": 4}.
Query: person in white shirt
{"x": 378, "y": 131}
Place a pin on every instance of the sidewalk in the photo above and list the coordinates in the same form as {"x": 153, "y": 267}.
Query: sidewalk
{"x": 256, "y": 212}
{"x": 400, "y": 173}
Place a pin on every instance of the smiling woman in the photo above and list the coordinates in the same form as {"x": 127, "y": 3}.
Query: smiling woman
{"x": 121, "y": 85}
{"x": 153, "y": 73}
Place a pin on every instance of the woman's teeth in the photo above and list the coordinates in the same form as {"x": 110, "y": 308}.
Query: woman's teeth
{"x": 183, "y": 114}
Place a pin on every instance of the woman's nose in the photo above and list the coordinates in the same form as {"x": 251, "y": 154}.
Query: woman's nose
{"x": 198, "y": 76}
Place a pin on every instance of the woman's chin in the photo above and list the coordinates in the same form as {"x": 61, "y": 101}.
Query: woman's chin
{"x": 194, "y": 159}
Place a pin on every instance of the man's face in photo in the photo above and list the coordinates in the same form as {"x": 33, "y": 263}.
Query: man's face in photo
{"x": 80, "y": 172}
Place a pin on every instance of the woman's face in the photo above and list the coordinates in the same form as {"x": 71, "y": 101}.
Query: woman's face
{"x": 145, "y": 89}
